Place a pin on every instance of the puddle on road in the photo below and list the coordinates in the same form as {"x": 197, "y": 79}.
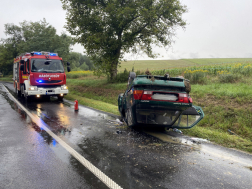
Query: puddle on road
{"x": 167, "y": 138}
{"x": 89, "y": 112}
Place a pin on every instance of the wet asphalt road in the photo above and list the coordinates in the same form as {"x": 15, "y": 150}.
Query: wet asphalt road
{"x": 31, "y": 158}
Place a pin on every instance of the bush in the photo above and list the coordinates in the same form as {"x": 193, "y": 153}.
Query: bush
{"x": 138, "y": 72}
{"x": 247, "y": 70}
{"x": 196, "y": 76}
{"x": 121, "y": 77}
{"x": 124, "y": 76}
{"x": 237, "y": 68}
{"x": 226, "y": 77}
{"x": 171, "y": 72}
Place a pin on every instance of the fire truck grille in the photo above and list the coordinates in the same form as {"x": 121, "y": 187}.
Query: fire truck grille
{"x": 48, "y": 86}
{"x": 47, "y": 81}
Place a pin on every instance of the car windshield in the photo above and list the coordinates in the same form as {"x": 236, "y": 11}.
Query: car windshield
{"x": 47, "y": 66}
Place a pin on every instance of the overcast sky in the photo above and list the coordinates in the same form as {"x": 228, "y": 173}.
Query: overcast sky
{"x": 216, "y": 28}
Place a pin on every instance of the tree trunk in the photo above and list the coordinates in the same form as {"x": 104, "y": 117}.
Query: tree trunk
{"x": 113, "y": 70}
{"x": 114, "y": 64}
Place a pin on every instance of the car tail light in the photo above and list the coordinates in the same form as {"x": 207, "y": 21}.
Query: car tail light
{"x": 190, "y": 100}
{"x": 183, "y": 98}
{"x": 137, "y": 94}
{"x": 147, "y": 95}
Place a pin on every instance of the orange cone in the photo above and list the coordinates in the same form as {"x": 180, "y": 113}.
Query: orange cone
{"x": 76, "y": 108}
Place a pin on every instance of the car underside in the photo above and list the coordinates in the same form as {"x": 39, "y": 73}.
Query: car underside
{"x": 158, "y": 101}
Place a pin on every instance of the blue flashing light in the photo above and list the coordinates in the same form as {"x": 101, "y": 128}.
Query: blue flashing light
{"x": 40, "y": 81}
{"x": 37, "y": 53}
{"x": 53, "y": 54}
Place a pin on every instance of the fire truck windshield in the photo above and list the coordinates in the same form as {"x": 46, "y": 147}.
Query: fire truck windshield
{"x": 47, "y": 66}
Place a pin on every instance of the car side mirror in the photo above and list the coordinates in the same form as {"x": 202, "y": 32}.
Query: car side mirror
{"x": 68, "y": 69}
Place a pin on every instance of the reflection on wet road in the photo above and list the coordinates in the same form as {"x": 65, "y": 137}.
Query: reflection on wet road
{"x": 133, "y": 158}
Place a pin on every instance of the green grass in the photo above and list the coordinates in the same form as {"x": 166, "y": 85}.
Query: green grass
{"x": 221, "y": 137}
{"x": 230, "y": 90}
{"x": 97, "y": 89}
{"x": 99, "y": 105}
{"x": 7, "y": 78}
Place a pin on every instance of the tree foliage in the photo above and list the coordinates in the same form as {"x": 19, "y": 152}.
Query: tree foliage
{"x": 79, "y": 61}
{"x": 28, "y": 37}
{"x": 109, "y": 28}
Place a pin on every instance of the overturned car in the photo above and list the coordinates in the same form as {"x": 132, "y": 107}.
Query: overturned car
{"x": 161, "y": 101}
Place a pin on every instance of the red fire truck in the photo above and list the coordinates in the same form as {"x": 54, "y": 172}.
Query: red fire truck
{"x": 39, "y": 74}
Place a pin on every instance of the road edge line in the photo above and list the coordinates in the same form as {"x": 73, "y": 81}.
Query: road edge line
{"x": 98, "y": 173}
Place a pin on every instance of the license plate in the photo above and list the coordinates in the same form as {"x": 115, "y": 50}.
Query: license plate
{"x": 51, "y": 91}
{"x": 169, "y": 97}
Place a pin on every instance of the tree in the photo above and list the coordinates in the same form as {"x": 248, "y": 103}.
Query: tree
{"x": 74, "y": 58}
{"x": 31, "y": 36}
{"x": 109, "y": 28}
{"x": 79, "y": 61}
{"x": 85, "y": 59}
{"x": 7, "y": 53}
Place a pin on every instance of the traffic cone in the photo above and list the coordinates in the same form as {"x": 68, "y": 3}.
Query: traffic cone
{"x": 76, "y": 108}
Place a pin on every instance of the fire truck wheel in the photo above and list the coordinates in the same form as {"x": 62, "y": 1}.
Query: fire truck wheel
{"x": 47, "y": 98}
{"x": 18, "y": 92}
{"x": 27, "y": 98}
{"x": 60, "y": 98}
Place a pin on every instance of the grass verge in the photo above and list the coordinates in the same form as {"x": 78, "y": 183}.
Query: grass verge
{"x": 99, "y": 105}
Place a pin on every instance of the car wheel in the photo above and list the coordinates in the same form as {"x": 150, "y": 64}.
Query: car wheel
{"x": 129, "y": 118}
{"x": 132, "y": 75}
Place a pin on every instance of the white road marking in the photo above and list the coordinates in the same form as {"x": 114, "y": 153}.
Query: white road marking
{"x": 99, "y": 174}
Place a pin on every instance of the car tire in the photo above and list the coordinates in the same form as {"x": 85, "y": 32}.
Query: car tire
{"x": 129, "y": 118}
{"x": 132, "y": 75}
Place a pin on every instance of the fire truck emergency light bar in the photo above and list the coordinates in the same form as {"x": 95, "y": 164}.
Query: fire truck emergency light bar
{"x": 44, "y": 53}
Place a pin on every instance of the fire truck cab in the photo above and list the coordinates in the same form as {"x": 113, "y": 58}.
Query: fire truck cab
{"x": 39, "y": 74}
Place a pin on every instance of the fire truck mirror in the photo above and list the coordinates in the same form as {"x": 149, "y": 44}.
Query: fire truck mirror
{"x": 68, "y": 63}
{"x": 68, "y": 69}
{"x": 22, "y": 67}
{"x": 21, "y": 61}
